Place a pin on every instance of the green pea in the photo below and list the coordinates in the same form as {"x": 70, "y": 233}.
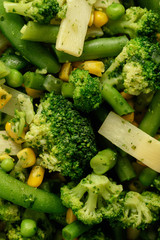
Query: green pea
{"x": 28, "y": 228}
{"x": 7, "y": 164}
{"x": 14, "y": 79}
{"x": 115, "y": 11}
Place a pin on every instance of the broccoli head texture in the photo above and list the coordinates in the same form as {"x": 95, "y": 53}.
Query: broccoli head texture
{"x": 64, "y": 138}
{"x": 135, "y": 22}
{"x": 95, "y": 233}
{"x": 13, "y": 232}
{"x": 91, "y": 200}
{"x": 136, "y": 67}
{"x": 41, "y": 11}
{"x": 86, "y": 95}
{"x": 138, "y": 210}
{"x": 9, "y": 211}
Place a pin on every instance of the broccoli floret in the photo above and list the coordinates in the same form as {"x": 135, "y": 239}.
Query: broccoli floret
{"x": 65, "y": 138}
{"x": 86, "y": 93}
{"x": 41, "y": 11}
{"x": 14, "y": 233}
{"x": 9, "y": 211}
{"x": 139, "y": 210}
{"x": 95, "y": 233}
{"x": 136, "y": 68}
{"x": 135, "y": 22}
{"x": 93, "y": 199}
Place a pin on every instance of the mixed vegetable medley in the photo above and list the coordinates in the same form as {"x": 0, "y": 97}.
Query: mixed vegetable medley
{"x": 79, "y": 119}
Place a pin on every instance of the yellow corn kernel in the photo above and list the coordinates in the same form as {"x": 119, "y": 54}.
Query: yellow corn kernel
{"x": 70, "y": 217}
{"x": 94, "y": 67}
{"x": 65, "y": 71}
{"x": 136, "y": 186}
{"x": 26, "y": 157}
{"x": 4, "y": 156}
{"x": 4, "y": 97}
{"x": 13, "y": 135}
{"x": 129, "y": 117}
{"x": 100, "y": 18}
{"x": 126, "y": 96}
{"x": 36, "y": 176}
{"x": 91, "y": 19}
{"x": 34, "y": 93}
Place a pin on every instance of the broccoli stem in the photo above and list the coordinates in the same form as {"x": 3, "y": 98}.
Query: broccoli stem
{"x": 34, "y": 80}
{"x": 103, "y": 161}
{"x": 39, "y": 32}
{"x": 74, "y": 230}
{"x": 151, "y": 121}
{"x": 115, "y": 99}
{"x": 23, "y": 195}
{"x": 94, "y": 49}
{"x": 124, "y": 169}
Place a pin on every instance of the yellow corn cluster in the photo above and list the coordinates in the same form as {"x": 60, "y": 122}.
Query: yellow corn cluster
{"x": 98, "y": 18}
{"x": 13, "y": 135}
{"x": 4, "y": 97}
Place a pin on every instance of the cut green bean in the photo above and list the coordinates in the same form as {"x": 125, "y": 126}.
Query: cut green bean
{"x": 4, "y": 70}
{"x": 74, "y": 230}
{"x": 34, "y": 80}
{"x": 97, "y": 48}
{"x": 14, "y": 61}
{"x": 67, "y": 90}
{"x": 52, "y": 83}
{"x": 147, "y": 176}
{"x": 154, "y": 4}
{"x": 37, "y": 54}
{"x": 26, "y": 196}
{"x": 103, "y": 161}
{"x": 124, "y": 169}
{"x": 39, "y": 32}
{"x": 113, "y": 97}
{"x": 151, "y": 121}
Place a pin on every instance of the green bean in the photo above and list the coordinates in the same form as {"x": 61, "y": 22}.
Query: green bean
{"x": 151, "y": 121}
{"x": 14, "y": 61}
{"x": 154, "y": 4}
{"x": 147, "y": 176}
{"x": 74, "y": 230}
{"x": 14, "y": 78}
{"x": 40, "y": 33}
{"x": 67, "y": 90}
{"x": 115, "y": 99}
{"x": 4, "y": 70}
{"x": 124, "y": 169}
{"x": 26, "y": 196}
{"x": 97, "y": 48}
{"x": 103, "y": 161}
{"x": 34, "y": 80}
{"x": 38, "y": 55}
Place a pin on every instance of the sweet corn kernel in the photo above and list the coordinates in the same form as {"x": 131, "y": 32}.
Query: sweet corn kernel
{"x": 129, "y": 117}
{"x": 34, "y": 93}
{"x": 91, "y": 19}
{"x": 4, "y": 97}
{"x": 94, "y": 67}
{"x": 26, "y": 157}
{"x": 126, "y": 96}
{"x": 65, "y": 71}
{"x": 70, "y": 217}
{"x": 13, "y": 135}
{"x": 100, "y": 18}
{"x": 36, "y": 176}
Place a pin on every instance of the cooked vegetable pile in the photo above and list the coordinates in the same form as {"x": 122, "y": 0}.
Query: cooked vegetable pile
{"x": 79, "y": 120}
